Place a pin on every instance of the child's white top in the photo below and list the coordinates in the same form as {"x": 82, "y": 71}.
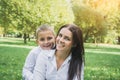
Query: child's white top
{"x": 30, "y": 62}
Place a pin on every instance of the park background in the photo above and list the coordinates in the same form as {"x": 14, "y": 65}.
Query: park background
{"x": 99, "y": 20}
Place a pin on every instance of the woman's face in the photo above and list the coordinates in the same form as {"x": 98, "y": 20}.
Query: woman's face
{"x": 64, "y": 40}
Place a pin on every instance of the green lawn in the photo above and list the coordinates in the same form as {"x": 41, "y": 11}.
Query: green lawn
{"x": 12, "y": 56}
{"x": 102, "y": 61}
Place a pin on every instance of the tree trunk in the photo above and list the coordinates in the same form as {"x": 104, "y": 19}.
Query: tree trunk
{"x": 28, "y": 37}
{"x": 86, "y": 36}
{"x": 25, "y": 37}
{"x": 118, "y": 39}
{"x": 4, "y": 35}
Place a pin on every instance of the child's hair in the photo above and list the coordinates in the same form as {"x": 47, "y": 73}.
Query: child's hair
{"x": 44, "y": 27}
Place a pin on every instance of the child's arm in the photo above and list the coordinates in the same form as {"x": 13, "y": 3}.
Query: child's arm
{"x": 28, "y": 68}
{"x": 39, "y": 72}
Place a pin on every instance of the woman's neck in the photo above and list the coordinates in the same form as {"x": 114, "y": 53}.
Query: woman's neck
{"x": 60, "y": 57}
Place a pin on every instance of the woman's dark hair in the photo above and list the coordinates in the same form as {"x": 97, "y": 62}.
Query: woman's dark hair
{"x": 77, "y": 50}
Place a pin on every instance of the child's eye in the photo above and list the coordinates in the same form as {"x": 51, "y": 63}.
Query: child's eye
{"x": 42, "y": 39}
{"x": 49, "y": 38}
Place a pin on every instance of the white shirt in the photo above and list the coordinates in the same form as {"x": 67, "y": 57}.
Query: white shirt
{"x": 30, "y": 62}
{"x": 46, "y": 68}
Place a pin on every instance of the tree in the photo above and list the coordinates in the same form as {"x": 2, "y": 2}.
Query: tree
{"x": 55, "y": 12}
{"x": 91, "y": 21}
{"x": 111, "y": 10}
{"x": 27, "y": 15}
{"x": 108, "y": 11}
{"x": 5, "y": 17}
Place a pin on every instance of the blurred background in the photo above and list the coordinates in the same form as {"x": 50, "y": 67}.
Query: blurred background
{"x": 99, "y": 20}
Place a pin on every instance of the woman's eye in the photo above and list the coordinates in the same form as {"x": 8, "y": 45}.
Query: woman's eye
{"x": 66, "y": 38}
{"x": 60, "y": 35}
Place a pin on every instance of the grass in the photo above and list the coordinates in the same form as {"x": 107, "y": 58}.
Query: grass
{"x": 12, "y": 56}
{"x": 11, "y": 62}
{"x": 16, "y": 41}
{"x": 102, "y": 61}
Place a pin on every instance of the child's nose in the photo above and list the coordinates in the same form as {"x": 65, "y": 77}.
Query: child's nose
{"x": 46, "y": 41}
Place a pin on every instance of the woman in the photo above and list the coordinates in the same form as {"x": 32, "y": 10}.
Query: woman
{"x": 67, "y": 60}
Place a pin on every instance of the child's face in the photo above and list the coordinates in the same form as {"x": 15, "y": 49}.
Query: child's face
{"x": 46, "y": 39}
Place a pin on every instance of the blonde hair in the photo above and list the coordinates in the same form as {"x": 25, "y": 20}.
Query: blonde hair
{"x": 44, "y": 27}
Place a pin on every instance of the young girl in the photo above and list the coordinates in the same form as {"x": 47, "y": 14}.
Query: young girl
{"x": 66, "y": 62}
{"x": 45, "y": 39}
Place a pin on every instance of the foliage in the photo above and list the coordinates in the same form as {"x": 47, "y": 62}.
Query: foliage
{"x": 1, "y": 30}
{"x": 55, "y": 12}
{"x": 25, "y": 16}
{"x": 92, "y": 22}
{"x": 4, "y": 14}
{"x": 99, "y": 19}
{"x": 111, "y": 11}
